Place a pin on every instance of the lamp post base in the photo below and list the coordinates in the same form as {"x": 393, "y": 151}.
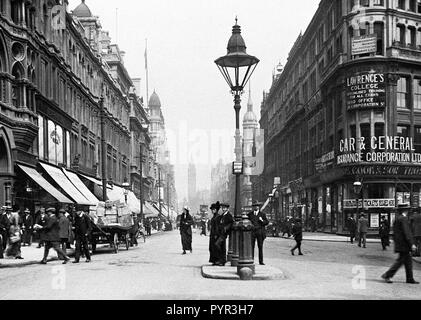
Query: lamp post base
{"x": 246, "y": 260}
{"x": 235, "y": 257}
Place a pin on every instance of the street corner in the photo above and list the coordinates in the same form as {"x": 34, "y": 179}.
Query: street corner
{"x": 230, "y": 273}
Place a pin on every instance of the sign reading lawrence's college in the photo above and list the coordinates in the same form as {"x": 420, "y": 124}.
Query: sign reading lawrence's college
{"x": 366, "y": 91}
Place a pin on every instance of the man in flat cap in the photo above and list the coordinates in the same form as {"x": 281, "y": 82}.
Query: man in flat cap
{"x": 259, "y": 221}
{"x": 225, "y": 227}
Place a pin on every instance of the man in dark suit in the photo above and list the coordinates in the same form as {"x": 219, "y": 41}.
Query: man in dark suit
{"x": 362, "y": 230}
{"x": 352, "y": 228}
{"x": 259, "y": 221}
{"x": 52, "y": 236}
{"x": 28, "y": 223}
{"x": 404, "y": 244}
{"x": 82, "y": 228}
{"x": 4, "y": 230}
{"x": 225, "y": 227}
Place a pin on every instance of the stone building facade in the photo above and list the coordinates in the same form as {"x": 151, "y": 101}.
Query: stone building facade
{"x": 347, "y": 108}
{"x": 54, "y": 67}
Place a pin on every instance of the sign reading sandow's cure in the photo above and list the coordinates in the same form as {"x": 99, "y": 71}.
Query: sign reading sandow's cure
{"x": 366, "y": 91}
{"x": 382, "y": 149}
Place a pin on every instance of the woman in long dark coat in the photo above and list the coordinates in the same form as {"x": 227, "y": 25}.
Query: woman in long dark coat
{"x": 186, "y": 221}
{"x": 214, "y": 249}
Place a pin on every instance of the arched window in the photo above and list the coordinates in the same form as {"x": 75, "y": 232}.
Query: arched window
{"x": 18, "y": 73}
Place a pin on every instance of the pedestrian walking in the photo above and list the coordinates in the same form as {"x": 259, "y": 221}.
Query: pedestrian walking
{"x": 352, "y": 228}
{"x": 27, "y": 225}
{"x": 4, "y": 230}
{"x": 297, "y": 233}
{"x": 65, "y": 229}
{"x": 186, "y": 222}
{"x": 259, "y": 222}
{"x": 41, "y": 222}
{"x": 404, "y": 244}
{"x": 362, "y": 230}
{"x": 148, "y": 227}
{"x": 225, "y": 227}
{"x": 416, "y": 230}
{"x": 82, "y": 228}
{"x": 15, "y": 237}
{"x": 52, "y": 236}
{"x": 214, "y": 249}
{"x": 384, "y": 233}
{"x": 203, "y": 225}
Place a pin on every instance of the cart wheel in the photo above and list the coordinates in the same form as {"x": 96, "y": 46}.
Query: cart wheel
{"x": 127, "y": 241}
{"x": 115, "y": 242}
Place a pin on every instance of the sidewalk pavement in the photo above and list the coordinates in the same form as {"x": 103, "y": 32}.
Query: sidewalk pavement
{"x": 31, "y": 255}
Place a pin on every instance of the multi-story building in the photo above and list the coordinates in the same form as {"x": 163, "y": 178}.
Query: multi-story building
{"x": 55, "y": 66}
{"x": 347, "y": 108}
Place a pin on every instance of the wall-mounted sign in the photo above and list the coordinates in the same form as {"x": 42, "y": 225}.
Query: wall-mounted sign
{"x": 366, "y": 91}
{"x": 364, "y": 44}
{"x": 369, "y": 203}
{"x": 384, "y": 149}
{"x": 383, "y": 170}
{"x": 325, "y": 161}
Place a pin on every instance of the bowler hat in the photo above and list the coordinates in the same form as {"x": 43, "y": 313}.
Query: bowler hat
{"x": 257, "y": 203}
{"x": 53, "y": 210}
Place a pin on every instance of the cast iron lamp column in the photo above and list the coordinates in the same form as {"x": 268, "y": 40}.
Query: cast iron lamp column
{"x": 357, "y": 190}
{"x": 237, "y": 67}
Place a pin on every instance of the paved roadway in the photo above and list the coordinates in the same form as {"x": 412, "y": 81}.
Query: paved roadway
{"x": 156, "y": 270}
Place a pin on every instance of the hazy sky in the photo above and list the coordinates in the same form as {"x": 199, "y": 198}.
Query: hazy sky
{"x": 184, "y": 39}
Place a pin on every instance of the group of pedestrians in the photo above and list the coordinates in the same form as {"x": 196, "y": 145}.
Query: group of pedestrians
{"x": 56, "y": 230}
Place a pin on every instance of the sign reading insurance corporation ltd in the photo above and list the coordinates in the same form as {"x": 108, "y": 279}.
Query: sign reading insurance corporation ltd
{"x": 366, "y": 91}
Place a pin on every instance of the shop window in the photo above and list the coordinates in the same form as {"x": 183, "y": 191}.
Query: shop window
{"x": 417, "y": 139}
{"x": 403, "y": 93}
{"x": 376, "y": 191}
{"x": 403, "y": 194}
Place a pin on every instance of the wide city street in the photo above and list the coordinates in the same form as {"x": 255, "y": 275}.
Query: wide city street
{"x": 156, "y": 270}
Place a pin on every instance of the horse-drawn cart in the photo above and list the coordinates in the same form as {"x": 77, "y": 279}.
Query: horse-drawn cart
{"x": 112, "y": 223}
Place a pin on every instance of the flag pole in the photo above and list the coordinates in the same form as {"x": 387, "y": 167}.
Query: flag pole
{"x": 147, "y": 75}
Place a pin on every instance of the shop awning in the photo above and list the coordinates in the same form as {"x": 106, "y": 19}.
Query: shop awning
{"x": 96, "y": 181}
{"x": 36, "y": 176}
{"x": 81, "y": 187}
{"x": 149, "y": 210}
{"x": 60, "y": 178}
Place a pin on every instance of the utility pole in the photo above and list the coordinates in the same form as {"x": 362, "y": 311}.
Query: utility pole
{"x": 141, "y": 183}
{"x": 168, "y": 195}
{"x": 103, "y": 151}
{"x": 159, "y": 188}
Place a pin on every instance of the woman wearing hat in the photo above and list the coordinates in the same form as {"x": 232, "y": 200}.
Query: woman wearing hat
{"x": 214, "y": 249}
{"x": 186, "y": 221}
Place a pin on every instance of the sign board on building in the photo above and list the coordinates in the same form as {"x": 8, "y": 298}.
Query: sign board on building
{"x": 383, "y": 170}
{"x": 366, "y": 90}
{"x": 364, "y": 44}
{"x": 369, "y": 203}
{"x": 378, "y": 149}
{"x": 325, "y": 161}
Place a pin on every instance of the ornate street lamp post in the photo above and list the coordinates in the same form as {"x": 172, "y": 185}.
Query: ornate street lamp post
{"x": 237, "y": 67}
{"x": 357, "y": 190}
{"x": 126, "y": 187}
